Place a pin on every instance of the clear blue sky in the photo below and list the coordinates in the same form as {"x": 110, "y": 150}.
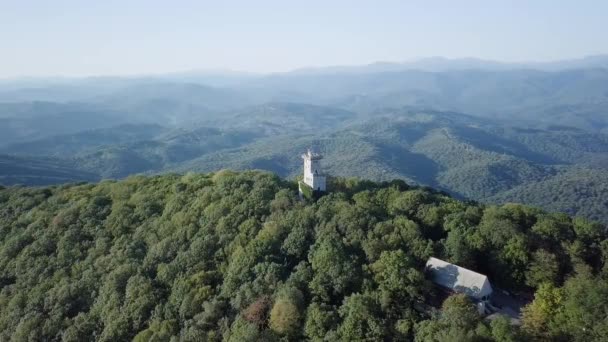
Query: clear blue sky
{"x": 100, "y": 37}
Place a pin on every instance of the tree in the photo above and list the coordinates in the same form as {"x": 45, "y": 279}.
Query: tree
{"x": 244, "y": 331}
{"x": 257, "y": 312}
{"x": 158, "y": 331}
{"x": 512, "y": 260}
{"x": 553, "y": 229}
{"x": 286, "y": 316}
{"x": 458, "y": 321}
{"x": 458, "y": 249}
{"x": 336, "y": 271}
{"x": 458, "y": 310}
{"x": 320, "y": 320}
{"x": 582, "y": 313}
{"x": 361, "y": 319}
{"x": 503, "y": 331}
{"x": 544, "y": 268}
{"x": 399, "y": 282}
{"x": 407, "y": 203}
{"x": 537, "y": 316}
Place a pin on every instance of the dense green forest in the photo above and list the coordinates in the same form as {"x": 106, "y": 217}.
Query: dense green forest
{"x": 466, "y": 156}
{"x": 235, "y": 256}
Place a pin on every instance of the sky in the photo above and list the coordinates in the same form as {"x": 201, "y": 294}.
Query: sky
{"x": 131, "y": 37}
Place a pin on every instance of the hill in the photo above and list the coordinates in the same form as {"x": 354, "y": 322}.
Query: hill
{"x": 237, "y": 257}
{"x": 63, "y": 145}
{"x": 174, "y": 147}
{"x": 466, "y": 156}
{"x": 276, "y": 118}
{"x": 40, "y": 171}
{"x": 26, "y": 121}
{"x": 171, "y": 103}
{"x": 580, "y": 191}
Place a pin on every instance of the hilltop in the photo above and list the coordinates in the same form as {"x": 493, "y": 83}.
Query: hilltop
{"x": 236, "y": 256}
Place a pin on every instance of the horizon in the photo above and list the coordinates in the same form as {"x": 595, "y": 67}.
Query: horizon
{"x": 68, "y": 38}
{"x": 523, "y": 64}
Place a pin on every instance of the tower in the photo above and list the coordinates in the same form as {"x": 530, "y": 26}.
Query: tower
{"x": 313, "y": 177}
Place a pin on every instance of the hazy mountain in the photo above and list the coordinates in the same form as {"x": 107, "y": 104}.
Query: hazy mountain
{"x": 26, "y": 121}
{"x": 213, "y": 78}
{"x": 177, "y": 146}
{"x": 40, "y": 171}
{"x": 64, "y": 89}
{"x": 71, "y": 144}
{"x": 439, "y": 64}
{"x": 570, "y": 97}
{"x": 588, "y": 62}
{"x": 285, "y": 118}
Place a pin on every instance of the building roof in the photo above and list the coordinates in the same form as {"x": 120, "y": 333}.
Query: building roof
{"x": 458, "y": 279}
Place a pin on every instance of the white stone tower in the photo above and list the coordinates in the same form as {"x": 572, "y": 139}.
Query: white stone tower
{"x": 313, "y": 177}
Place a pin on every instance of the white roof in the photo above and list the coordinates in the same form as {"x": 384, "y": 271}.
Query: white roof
{"x": 458, "y": 279}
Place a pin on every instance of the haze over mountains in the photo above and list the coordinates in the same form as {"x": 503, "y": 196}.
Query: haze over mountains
{"x": 531, "y": 132}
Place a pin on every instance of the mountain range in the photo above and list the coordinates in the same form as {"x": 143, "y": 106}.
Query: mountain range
{"x": 494, "y": 132}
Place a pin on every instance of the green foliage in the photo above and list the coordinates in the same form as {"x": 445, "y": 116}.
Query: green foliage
{"x": 458, "y": 321}
{"x": 537, "y": 315}
{"x": 361, "y": 319}
{"x": 399, "y": 282}
{"x": 574, "y": 312}
{"x": 578, "y": 191}
{"x": 336, "y": 271}
{"x": 158, "y": 331}
{"x": 286, "y": 315}
{"x": 307, "y": 191}
{"x": 501, "y": 330}
{"x": 236, "y": 256}
{"x": 544, "y": 268}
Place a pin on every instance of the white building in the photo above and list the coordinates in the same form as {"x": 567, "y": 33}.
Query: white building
{"x": 459, "y": 279}
{"x": 313, "y": 177}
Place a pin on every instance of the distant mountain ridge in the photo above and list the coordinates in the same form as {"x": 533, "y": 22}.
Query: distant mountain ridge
{"x": 439, "y": 64}
{"x": 228, "y": 77}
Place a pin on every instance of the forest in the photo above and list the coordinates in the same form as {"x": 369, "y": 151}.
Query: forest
{"x": 237, "y": 256}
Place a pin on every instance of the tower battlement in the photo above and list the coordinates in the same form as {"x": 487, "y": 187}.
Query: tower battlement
{"x": 311, "y": 155}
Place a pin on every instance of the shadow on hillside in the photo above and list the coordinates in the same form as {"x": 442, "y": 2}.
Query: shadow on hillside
{"x": 276, "y": 165}
{"x": 494, "y": 143}
{"x": 414, "y": 165}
